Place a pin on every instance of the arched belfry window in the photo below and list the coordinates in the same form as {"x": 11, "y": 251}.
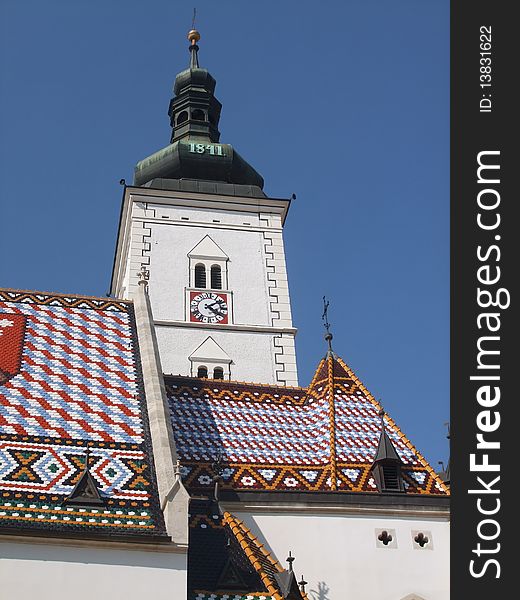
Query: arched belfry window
{"x": 202, "y": 372}
{"x": 216, "y": 277}
{"x": 198, "y": 115}
{"x": 200, "y": 276}
{"x": 218, "y": 373}
{"x": 182, "y": 117}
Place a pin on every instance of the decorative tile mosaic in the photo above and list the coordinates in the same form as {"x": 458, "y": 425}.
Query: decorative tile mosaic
{"x": 320, "y": 438}
{"x": 70, "y": 378}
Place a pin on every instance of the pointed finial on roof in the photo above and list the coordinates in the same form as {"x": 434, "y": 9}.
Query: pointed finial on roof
{"x": 217, "y": 468}
{"x": 386, "y": 467}
{"x": 290, "y": 559}
{"x": 194, "y": 37}
{"x": 144, "y": 276}
{"x": 446, "y": 475}
{"x": 326, "y": 324}
{"x": 177, "y": 469}
{"x": 302, "y": 583}
{"x": 385, "y": 448}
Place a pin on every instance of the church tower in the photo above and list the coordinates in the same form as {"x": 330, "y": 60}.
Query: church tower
{"x": 198, "y": 226}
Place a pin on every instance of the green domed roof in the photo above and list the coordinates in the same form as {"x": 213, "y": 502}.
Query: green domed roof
{"x": 194, "y": 151}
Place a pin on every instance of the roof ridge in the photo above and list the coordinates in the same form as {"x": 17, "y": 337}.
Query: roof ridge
{"x": 332, "y": 423}
{"x": 66, "y": 295}
{"x": 315, "y": 376}
{"x": 264, "y": 385}
{"x": 393, "y": 424}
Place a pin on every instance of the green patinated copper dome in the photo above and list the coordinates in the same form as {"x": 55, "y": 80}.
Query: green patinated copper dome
{"x": 194, "y": 152}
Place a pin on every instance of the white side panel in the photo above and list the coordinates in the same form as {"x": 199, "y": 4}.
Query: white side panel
{"x": 169, "y": 271}
{"x": 341, "y": 557}
{"x": 248, "y": 352}
{"x": 50, "y": 572}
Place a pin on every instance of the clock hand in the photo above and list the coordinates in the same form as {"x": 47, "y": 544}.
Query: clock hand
{"x": 214, "y": 310}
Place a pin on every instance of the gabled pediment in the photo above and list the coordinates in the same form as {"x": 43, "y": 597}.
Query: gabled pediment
{"x": 85, "y": 492}
{"x": 210, "y": 351}
{"x": 231, "y": 578}
{"x": 208, "y": 249}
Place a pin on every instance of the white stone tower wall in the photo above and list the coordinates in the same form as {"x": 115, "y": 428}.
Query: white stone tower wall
{"x": 159, "y": 230}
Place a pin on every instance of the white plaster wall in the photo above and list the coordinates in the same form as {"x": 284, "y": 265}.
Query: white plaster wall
{"x": 49, "y": 572}
{"x": 169, "y": 270}
{"x": 198, "y": 215}
{"x": 339, "y": 557}
{"x": 250, "y": 352}
{"x": 160, "y": 236}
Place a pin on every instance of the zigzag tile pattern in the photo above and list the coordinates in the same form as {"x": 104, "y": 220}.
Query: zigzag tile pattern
{"x": 254, "y": 427}
{"x": 320, "y": 438}
{"x": 78, "y": 378}
{"x": 78, "y": 383}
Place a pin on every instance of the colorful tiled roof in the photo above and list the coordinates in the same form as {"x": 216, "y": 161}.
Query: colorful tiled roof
{"x": 70, "y": 378}
{"x": 320, "y": 438}
{"x": 226, "y": 561}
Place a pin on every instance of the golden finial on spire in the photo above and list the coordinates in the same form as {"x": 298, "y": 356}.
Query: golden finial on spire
{"x": 193, "y": 34}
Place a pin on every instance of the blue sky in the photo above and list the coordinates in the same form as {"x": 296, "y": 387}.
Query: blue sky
{"x": 345, "y": 104}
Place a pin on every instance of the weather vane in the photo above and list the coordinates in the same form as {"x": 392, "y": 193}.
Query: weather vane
{"x": 324, "y": 316}
{"x": 193, "y": 20}
{"x": 326, "y": 324}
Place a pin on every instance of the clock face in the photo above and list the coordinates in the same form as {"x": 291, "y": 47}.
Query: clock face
{"x": 208, "y": 307}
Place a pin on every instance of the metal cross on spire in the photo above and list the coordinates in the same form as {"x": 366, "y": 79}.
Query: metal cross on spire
{"x": 326, "y": 324}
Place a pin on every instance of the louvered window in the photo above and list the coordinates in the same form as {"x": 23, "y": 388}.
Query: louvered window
{"x": 216, "y": 277}
{"x": 202, "y": 372}
{"x": 200, "y": 276}
{"x": 391, "y": 477}
{"x": 218, "y": 373}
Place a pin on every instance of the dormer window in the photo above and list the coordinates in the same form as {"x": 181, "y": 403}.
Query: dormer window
{"x": 391, "y": 475}
{"x": 387, "y": 475}
{"x": 386, "y": 468}
{"x": 218, "y": 373}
